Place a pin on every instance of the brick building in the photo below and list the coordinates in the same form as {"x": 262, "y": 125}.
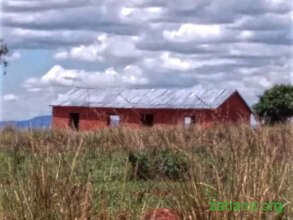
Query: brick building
{"x": 90, "y": 109}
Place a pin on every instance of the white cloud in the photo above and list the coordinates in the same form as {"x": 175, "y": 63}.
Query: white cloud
{"x": 126, "y": 11}
{"x": 105, "y": 46}
{"x": 174, "y": 63}
{"x": 166, "y": 61}
{"x": 22, "y": 5}
{"x": 10, "y": 97}
{"x": 58, "y": 76}
{"x": 24, "y": 38}
{"x": 14, "y": 56}
{"x": 259, "y": 50}
{"x": 246, "y": 35}
{"x": 190, "y": 32}
{"x": 59, "y": 55}
{"x": 134, "y": 15}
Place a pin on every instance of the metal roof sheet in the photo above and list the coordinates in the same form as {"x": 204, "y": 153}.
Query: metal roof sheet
{"x": 191, "y": 98}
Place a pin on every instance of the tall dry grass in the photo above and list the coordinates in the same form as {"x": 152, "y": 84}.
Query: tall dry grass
{"x": 48, "y": 175}
{"x": 237, "y": 164}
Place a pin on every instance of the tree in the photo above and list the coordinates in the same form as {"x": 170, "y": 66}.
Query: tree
{"x": 276, "y": 104}
{"x": 3, "y": 51}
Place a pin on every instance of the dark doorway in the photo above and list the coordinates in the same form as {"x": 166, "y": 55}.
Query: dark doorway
{"x": 147, "y": 119}
{"x": 74, "y": 121}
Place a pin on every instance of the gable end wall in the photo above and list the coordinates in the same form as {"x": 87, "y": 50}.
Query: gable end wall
{"x": 234, "y": 109}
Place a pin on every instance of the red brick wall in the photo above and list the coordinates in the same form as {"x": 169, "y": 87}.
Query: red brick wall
{"x": 234, "y": 109}
{"x": 94, "y": 118}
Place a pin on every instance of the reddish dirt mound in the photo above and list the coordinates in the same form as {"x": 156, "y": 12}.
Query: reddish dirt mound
{"x": 161, "y": 214}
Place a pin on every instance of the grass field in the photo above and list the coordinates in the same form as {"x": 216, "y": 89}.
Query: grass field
{"x": 121, "y": 173}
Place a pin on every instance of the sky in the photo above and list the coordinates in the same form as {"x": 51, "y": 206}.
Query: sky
{"x": 59, "y": 44}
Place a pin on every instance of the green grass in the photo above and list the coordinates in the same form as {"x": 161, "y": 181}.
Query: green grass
{"x": 68, "y": 175}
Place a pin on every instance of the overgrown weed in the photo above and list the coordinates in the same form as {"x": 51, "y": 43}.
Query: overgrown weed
{"x": 49, "y": 174}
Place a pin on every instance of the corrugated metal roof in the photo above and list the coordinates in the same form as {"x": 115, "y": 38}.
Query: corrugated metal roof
{"x": 191, "y": 98}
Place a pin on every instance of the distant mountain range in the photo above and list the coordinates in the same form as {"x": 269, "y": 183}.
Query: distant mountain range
{"x": 34, "y": 123}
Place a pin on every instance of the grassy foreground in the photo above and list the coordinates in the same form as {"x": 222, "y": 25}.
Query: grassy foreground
{"x": 121, "y": 173}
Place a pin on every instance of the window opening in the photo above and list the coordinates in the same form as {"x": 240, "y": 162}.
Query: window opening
{"x": 147, "y": 119}
{"x": 188, "y": 121}
{"x": 114, "y": 120}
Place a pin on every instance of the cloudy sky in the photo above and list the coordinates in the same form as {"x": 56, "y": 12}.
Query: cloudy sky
{"x": 57, "y": 44}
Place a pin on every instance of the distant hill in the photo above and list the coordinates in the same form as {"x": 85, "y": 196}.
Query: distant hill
{"x": 34, "y": 123}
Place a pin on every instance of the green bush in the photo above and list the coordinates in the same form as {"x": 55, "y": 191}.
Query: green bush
{"x": 162, "y": 164}
{"x": 141, "y": 164}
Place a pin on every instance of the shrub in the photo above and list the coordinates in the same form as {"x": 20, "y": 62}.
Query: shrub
{"x": 171, "y": 164}
{"x": 141, "y": 164}
{"x": 162, "y": 164}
